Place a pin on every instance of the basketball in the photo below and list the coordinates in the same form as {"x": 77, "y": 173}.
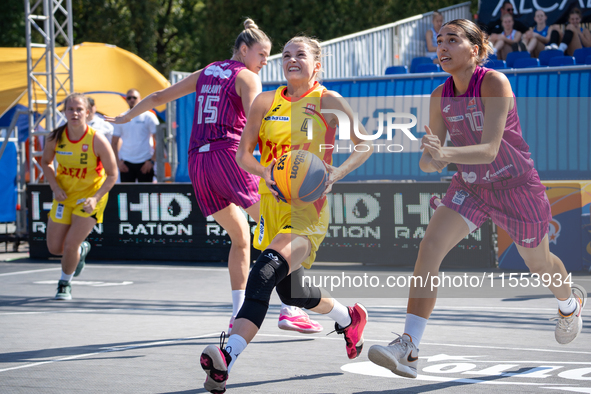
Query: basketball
{"x": 300, "y": 177}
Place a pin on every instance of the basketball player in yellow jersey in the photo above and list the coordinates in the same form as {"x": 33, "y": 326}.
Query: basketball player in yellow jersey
{"x": 289, "y": 237}
{"x": 86, "y": 171}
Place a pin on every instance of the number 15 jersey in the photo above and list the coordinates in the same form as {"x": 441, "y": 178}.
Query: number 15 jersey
{"x": 219, "y": 117}
{"x": 80, "y": 172}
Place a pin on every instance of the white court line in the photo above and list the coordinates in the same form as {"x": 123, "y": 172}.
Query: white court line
{"x": 475, "y": 308}
{"x": 437, "y": 344}
{"x": 111, "y": 349}
{"x": 98, "y": 310}
{"x": 29, "y": 272}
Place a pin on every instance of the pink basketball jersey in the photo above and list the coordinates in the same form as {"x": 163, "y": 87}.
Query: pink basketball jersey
{"x": 464, "y": 118}
{"x": 219, "y": 116}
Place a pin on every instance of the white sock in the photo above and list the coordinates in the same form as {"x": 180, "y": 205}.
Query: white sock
{"x": 495, "y": 51}
{"x": 414, "y": 327}
{"x": 67, "y": 278}
{"x": 237, "y": 301}
{"x": 340, "y": 314}
{"x": 236, "y": 345}
{"x": 567, "y": 306}
{"x": 563, "y": 47}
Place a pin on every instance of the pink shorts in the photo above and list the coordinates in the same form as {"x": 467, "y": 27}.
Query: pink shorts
{"x": 218, "y": 181}
{"x": 521, "y": 208}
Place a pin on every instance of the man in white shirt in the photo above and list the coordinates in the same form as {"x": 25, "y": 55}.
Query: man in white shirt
{"x": 136, "y": 156}
{"x": 98, "y": 123}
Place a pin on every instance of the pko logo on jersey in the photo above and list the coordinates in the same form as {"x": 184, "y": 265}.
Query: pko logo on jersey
{"x": 156, "y": 209}
{"x": 277, "y": 118}
{"x": 345, "y": 129}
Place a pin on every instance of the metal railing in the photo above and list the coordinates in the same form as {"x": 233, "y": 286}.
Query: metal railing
{"x": 370, "y": 52}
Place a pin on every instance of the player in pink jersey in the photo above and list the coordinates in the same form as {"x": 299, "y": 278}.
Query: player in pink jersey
{"x": 225, "y": 91}
{"x": 495, "y": 179}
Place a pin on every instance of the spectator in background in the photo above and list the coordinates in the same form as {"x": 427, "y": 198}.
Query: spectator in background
{"x": 431, "y": 36}
{"x": 136, "y": 157}
{"x": 575, "y": 36}
{"x": 496, "y": 27}
{"x": 536, "y": 38}
{"x": 508, "y": 40}
{"x": 98, "y": 123}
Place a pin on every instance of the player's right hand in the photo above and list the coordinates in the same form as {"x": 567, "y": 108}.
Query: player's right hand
{"x": 59, "y": 194}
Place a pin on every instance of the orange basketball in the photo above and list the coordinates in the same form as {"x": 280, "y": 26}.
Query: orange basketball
{"x": 300, "y": 177}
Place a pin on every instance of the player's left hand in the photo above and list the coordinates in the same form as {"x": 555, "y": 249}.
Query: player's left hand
{"x": 334, "y": 174}
{"x": 119, "y": 119}
{"x": 89, "y": 204}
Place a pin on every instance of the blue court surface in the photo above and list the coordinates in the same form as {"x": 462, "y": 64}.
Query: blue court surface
{"x": 134, "y": 328}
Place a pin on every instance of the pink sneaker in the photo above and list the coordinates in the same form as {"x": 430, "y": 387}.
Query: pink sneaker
{"x": 214, "y": 361}
{"x": 354, "y": 332}
{"x": 295, "y": 319}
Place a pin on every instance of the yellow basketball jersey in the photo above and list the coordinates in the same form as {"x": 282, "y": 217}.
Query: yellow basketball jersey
{"x": 285, "y": 128}
{"x": 80, "y": 172}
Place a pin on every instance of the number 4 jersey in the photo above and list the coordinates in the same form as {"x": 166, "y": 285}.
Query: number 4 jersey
{"x": 464, "y": 117}
{"x": 80, "y": 172}
{"x": 219, "y": 117}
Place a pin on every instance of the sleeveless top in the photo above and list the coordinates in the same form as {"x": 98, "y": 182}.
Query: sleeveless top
{"x": 434, "y": 38}
{"x": 510, "y": 36}
{"x": 285, "y": 128}
{"x": 464, "y": 118}
{"x": 219, "y": 116}
{"x": 80, "y": 172}
{"x": 543, "y": 33}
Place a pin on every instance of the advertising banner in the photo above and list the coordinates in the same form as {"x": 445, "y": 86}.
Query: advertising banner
{"x": 569, "y": 234}
{"x": 370, "y": 223}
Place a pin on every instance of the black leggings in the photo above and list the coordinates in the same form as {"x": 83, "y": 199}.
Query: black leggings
{"x": 135, "y": 173}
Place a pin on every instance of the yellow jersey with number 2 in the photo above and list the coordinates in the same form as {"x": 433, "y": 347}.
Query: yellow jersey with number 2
{"x": 80, "y": 172}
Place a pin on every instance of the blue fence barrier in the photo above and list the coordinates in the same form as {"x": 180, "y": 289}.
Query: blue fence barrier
{"x": 554, "y": 107}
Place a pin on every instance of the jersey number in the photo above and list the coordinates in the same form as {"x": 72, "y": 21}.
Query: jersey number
{"x": 84, "y": 158}
{"x": 476, "y": 120}
{"x": 209, "y": 109}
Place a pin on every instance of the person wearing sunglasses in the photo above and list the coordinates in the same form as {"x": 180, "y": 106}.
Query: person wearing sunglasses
{"x": 495, "y": 27}
{"x": 135, "y": 157}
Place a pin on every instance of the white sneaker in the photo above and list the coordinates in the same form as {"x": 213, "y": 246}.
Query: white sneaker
{"x": 295, "y": 319}
{"x": 569, "y": 327}
{"x": 401, "y": 356}
{"x": 551, "y": 46}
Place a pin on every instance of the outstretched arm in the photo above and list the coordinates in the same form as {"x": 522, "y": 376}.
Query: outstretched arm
{"x": 178, "y": 90}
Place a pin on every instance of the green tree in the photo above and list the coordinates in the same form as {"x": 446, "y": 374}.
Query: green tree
{"x": 184, "y": 35}
{"x": 281, "y": 21}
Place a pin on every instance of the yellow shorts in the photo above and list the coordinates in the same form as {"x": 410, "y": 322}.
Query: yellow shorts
{"x": 281, "y": 218}
{"x": 61, "y": 213}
